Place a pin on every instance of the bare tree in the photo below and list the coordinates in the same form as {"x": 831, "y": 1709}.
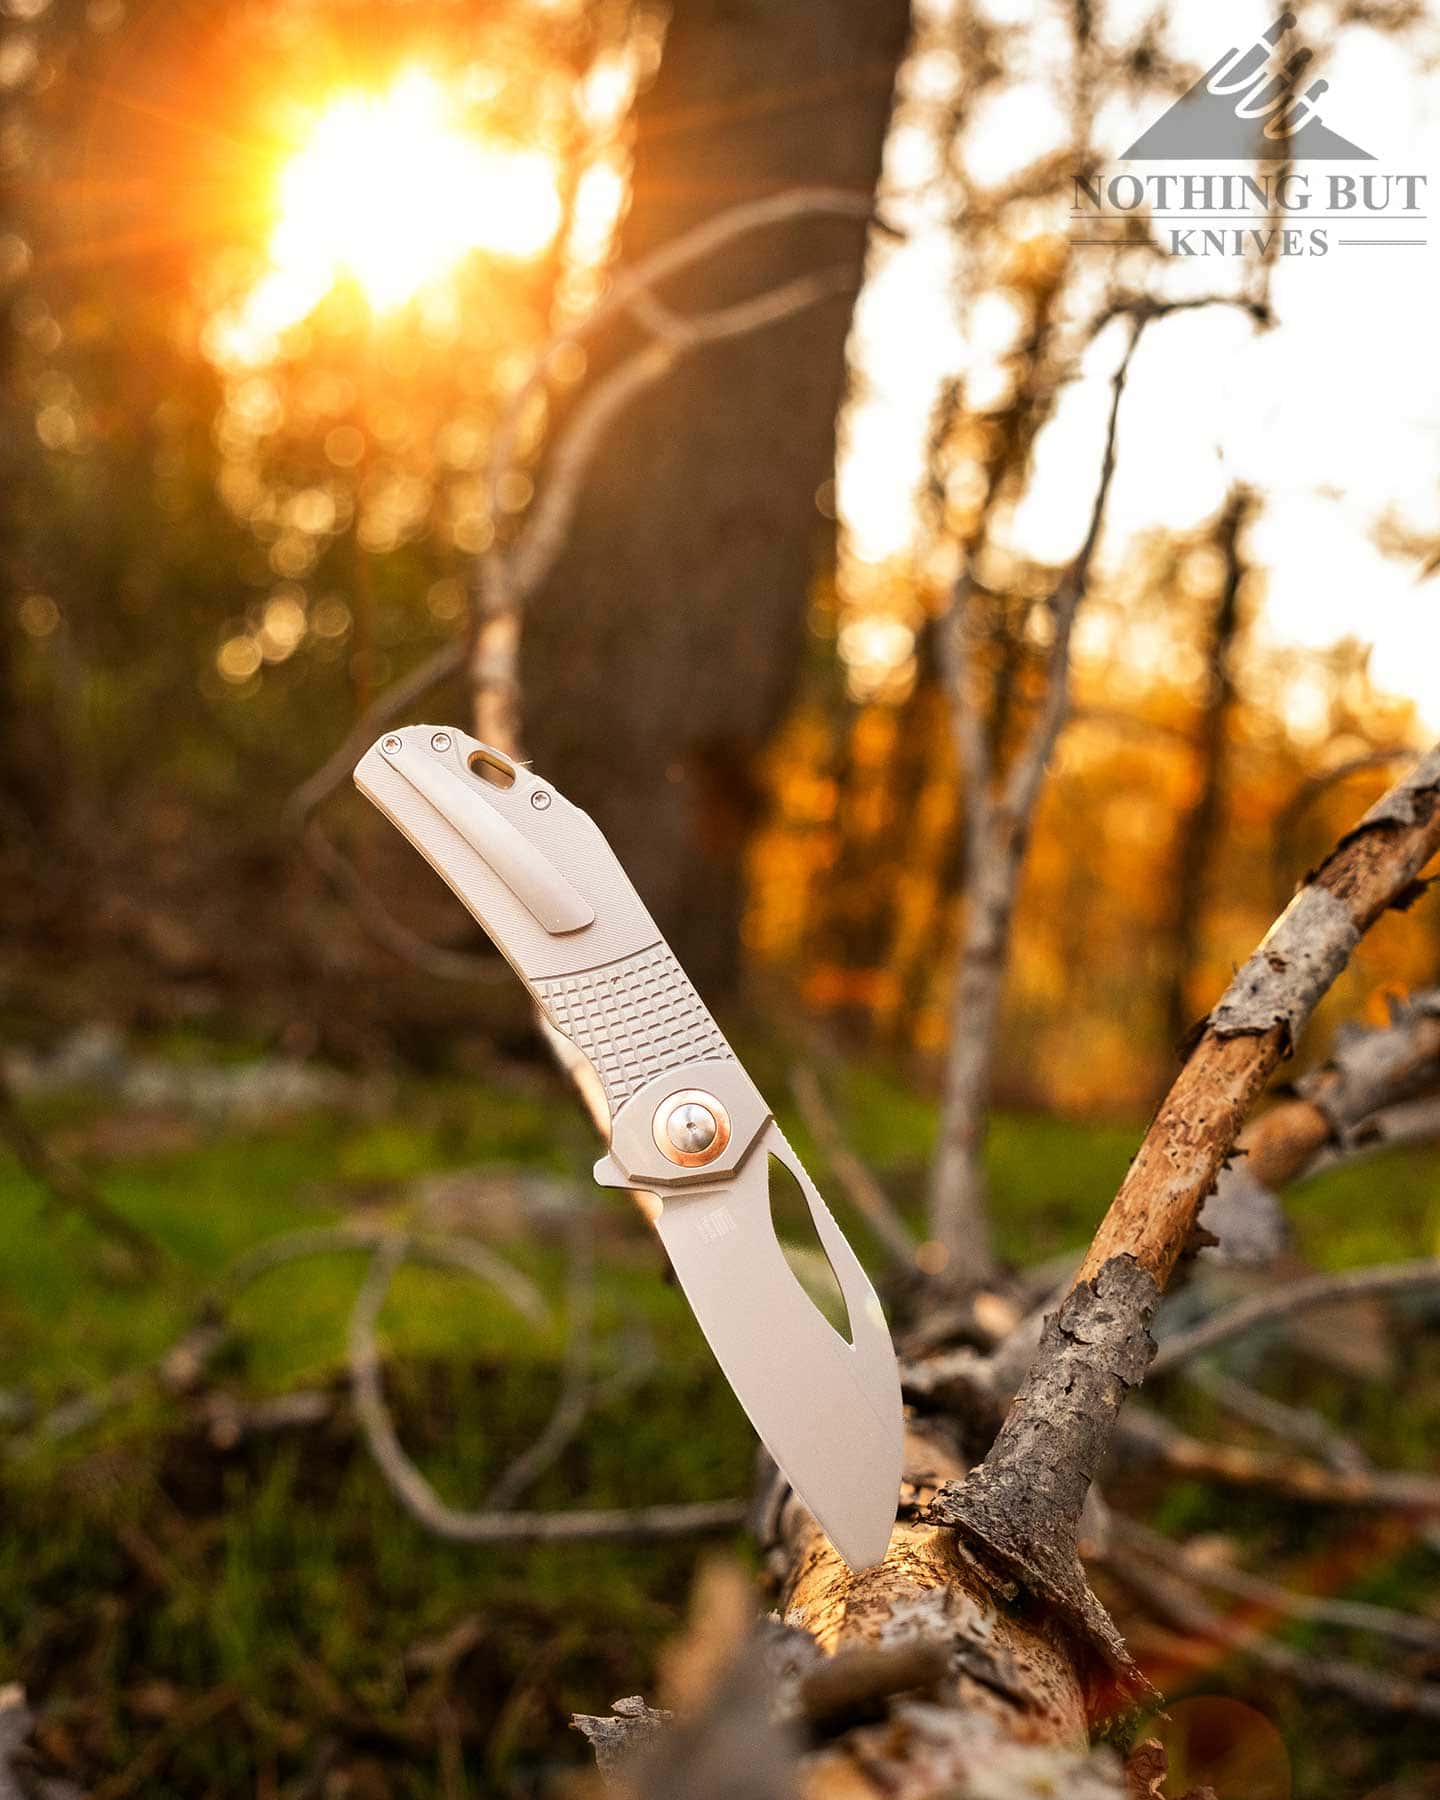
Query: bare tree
{"x": 1000, "y": 808}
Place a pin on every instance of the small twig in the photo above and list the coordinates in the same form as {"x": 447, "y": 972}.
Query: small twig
{"x": 997, "y": 829}
{"x": 1408, "y": 1123}
{"x": 853, "y": 1680}
{"x": 1022, "y": 787}
{"x": 857, "y": 1181}
{"x": 398, "y": 698}
{"x": 1145, "y": 309}
{"x": 177, "y": 1371}
{"x": 1177, "y": 1602}
{"x": 1145, "y": 1435}
{"x": 686, "y": 331}
{"x": 1283, "y": 831}
{"x": 1298, "y": 1425}
{"x": 459, "y": 1253}
{"x": 1405, "y": 1628}
{"x": 1273, "y": 1304}
{"x": 510, "y": 577}
{"x": 384, "y": 928}
{"x": 67, "y": 1188}
{"x": 180, "y": 1368}
{"x": 228, "y": 1421}
{"x": 631, "y": 285}
{"x": 1346, "y": 1104}
{"x": 635, "y": 1525}
{"x": 577, "y": 1390}
{"x": 202, "y": 1711}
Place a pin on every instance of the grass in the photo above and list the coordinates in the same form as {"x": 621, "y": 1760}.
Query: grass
{"x": 142, "y": 1567}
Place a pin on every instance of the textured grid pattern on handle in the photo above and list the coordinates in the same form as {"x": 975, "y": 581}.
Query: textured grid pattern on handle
{"x": 634, "y": 1019}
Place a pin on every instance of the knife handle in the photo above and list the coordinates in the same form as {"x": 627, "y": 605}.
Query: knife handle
{"x": 540, "y": 877}
{"x": 633, "y": 1020}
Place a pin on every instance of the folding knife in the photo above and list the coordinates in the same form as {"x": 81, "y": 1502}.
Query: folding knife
{"x": 687, "y": 1124}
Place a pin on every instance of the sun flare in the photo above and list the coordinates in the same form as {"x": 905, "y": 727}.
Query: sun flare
{"x": 393, "y": 191}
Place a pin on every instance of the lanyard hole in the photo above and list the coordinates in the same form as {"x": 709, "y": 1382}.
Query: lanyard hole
{"x": 491, "y": 766}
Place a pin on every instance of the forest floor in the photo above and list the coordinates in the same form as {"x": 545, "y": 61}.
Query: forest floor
{"x": 209, "y": 1601}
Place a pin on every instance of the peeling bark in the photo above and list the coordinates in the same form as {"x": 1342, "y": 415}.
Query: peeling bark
{"x": 615, "y": 1738}
{"x": 1009, "y": 1683}
{"x": 1253, "y": 1028}
{"x": 1021, "y": 1508}
{"x": 1346, "y": 1106}
{"x": 1283, "y": 981}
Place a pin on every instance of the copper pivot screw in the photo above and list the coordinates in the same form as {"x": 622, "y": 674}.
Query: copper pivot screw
{"x": 691, "y": 1128}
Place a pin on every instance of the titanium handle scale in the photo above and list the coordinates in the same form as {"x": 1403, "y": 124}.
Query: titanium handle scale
{"x": 687, "y": 1123}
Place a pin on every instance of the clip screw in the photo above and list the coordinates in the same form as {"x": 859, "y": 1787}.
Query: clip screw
{"x": 390, "y": 745}
{"x": 440, "y": 741}
{"x": 540, "y": 800}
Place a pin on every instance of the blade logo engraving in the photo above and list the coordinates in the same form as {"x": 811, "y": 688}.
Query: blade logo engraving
{"x": 716, "y": 1225}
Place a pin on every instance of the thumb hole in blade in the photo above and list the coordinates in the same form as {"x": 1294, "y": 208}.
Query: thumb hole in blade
{"x": 800, "y": 1244}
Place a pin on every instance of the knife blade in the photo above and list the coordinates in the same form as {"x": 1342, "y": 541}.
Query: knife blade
{"x": 687, "y": 1124}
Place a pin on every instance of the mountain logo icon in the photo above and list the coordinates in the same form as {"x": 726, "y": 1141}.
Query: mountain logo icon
{"x": 1248, "y": 108}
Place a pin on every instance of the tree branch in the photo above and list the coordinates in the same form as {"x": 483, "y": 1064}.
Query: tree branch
{"x": 573, "y": 1404}
{"x": 1298, "y": 1425}
{"x": 384, "y": 928}
{"x": 179, "y": 1369}
{"x": 1358, "y": 1100}
{"x": 1176, "y": 1601}
{"x": 398, "y": 698}
{"x": 1287, "y": 821}
{"x": 1274, "y": 1304}
{"x": 1269, "y": 1598}
{"x": 1373, "y": 868}
{"x": 615, "y": 1525}
{"x": 66, "y": 1188}
{"x": 1145, "y": 1436}
{"x": 629, "y": 286}
{"x": 508, "y": 577}
{"x": 857, "y": 1182}
{"x": 1021, "y": 1507}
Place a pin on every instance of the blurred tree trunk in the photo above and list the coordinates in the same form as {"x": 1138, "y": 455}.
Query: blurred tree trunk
{"x": 664, "y": 647}
{"x": 1195, "y": 836}
{"x": 17, "y": 768}
{"x": 8, "y": 483}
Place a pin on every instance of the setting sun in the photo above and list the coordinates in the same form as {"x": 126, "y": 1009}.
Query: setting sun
{"x": 392, "y": 191}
